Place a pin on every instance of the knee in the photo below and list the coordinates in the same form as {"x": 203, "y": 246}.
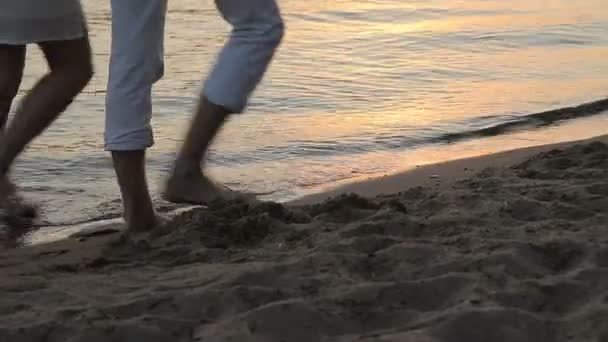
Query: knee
{"x": 277, "y": 32}
{"x": 274, "y": 30}
{"x": 83, "y": 74}
{"x": 265, "y": 30}
{"x": 76, "y": 75}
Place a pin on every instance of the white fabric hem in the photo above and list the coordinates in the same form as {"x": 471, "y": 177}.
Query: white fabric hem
{"x": 6, "y": 41}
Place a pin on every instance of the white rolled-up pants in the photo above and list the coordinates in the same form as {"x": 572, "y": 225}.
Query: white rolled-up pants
{"x": 136, "y": 63}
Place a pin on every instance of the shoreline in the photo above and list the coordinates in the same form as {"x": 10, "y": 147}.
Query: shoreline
{"x": 407, "y": 160}
{"x": 97, "y": 198}
{"x": 436, "y": 174}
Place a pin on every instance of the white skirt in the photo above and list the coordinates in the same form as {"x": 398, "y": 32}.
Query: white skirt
{"x": 33, "y": 21}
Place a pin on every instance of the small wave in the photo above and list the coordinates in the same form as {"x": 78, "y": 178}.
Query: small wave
{"x": 410, "y": 137}
{"x": 536, "y": 120}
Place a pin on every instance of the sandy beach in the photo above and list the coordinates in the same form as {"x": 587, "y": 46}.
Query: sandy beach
{"x": 505, "y": 247}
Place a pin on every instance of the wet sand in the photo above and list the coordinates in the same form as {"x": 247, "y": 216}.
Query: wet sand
{"x": 506, "y": 247}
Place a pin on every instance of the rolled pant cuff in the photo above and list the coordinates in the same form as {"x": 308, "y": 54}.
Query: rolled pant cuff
{"x": 220, "y": 99}
{"x": 130, "y": 142}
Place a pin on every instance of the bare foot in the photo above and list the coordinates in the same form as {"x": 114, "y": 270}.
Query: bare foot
{"x": 143, "y": 237}
{"x": 15, "y": 213}
{"x": 13, "y": 205}
{"x": 194, "y": 188}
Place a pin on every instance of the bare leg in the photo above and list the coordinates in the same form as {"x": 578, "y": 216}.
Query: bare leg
{"x": 137, "y": 205}
{"x": 12, "y": 60}
{"x": 70, "y": 64}
{"x": 70, "y": 71}
{"x": 136, "y": 63}
{"x": 257, "y": 30}
{"x": 187, "y": 184}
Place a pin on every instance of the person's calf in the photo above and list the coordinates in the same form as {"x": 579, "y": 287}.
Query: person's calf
{"x": 49, "y": 98}
{"x": 186, "y": 182}
{"x": 12, "y": 62}
{"x": 71, "y": 66}
{"x": 208, "y": 120}
{"x": 5, "y": 107}
{"x": 138, "y": 208}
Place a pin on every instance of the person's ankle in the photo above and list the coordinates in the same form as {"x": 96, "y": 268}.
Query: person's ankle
{"x": 187, "y": 167}
{"x": 140, "y": 217}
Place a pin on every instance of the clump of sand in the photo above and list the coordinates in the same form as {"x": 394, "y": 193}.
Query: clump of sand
{"x": 510, "y": 254}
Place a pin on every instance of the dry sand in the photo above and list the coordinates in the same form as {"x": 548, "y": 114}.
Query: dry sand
{"x": 516, "y": 252}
